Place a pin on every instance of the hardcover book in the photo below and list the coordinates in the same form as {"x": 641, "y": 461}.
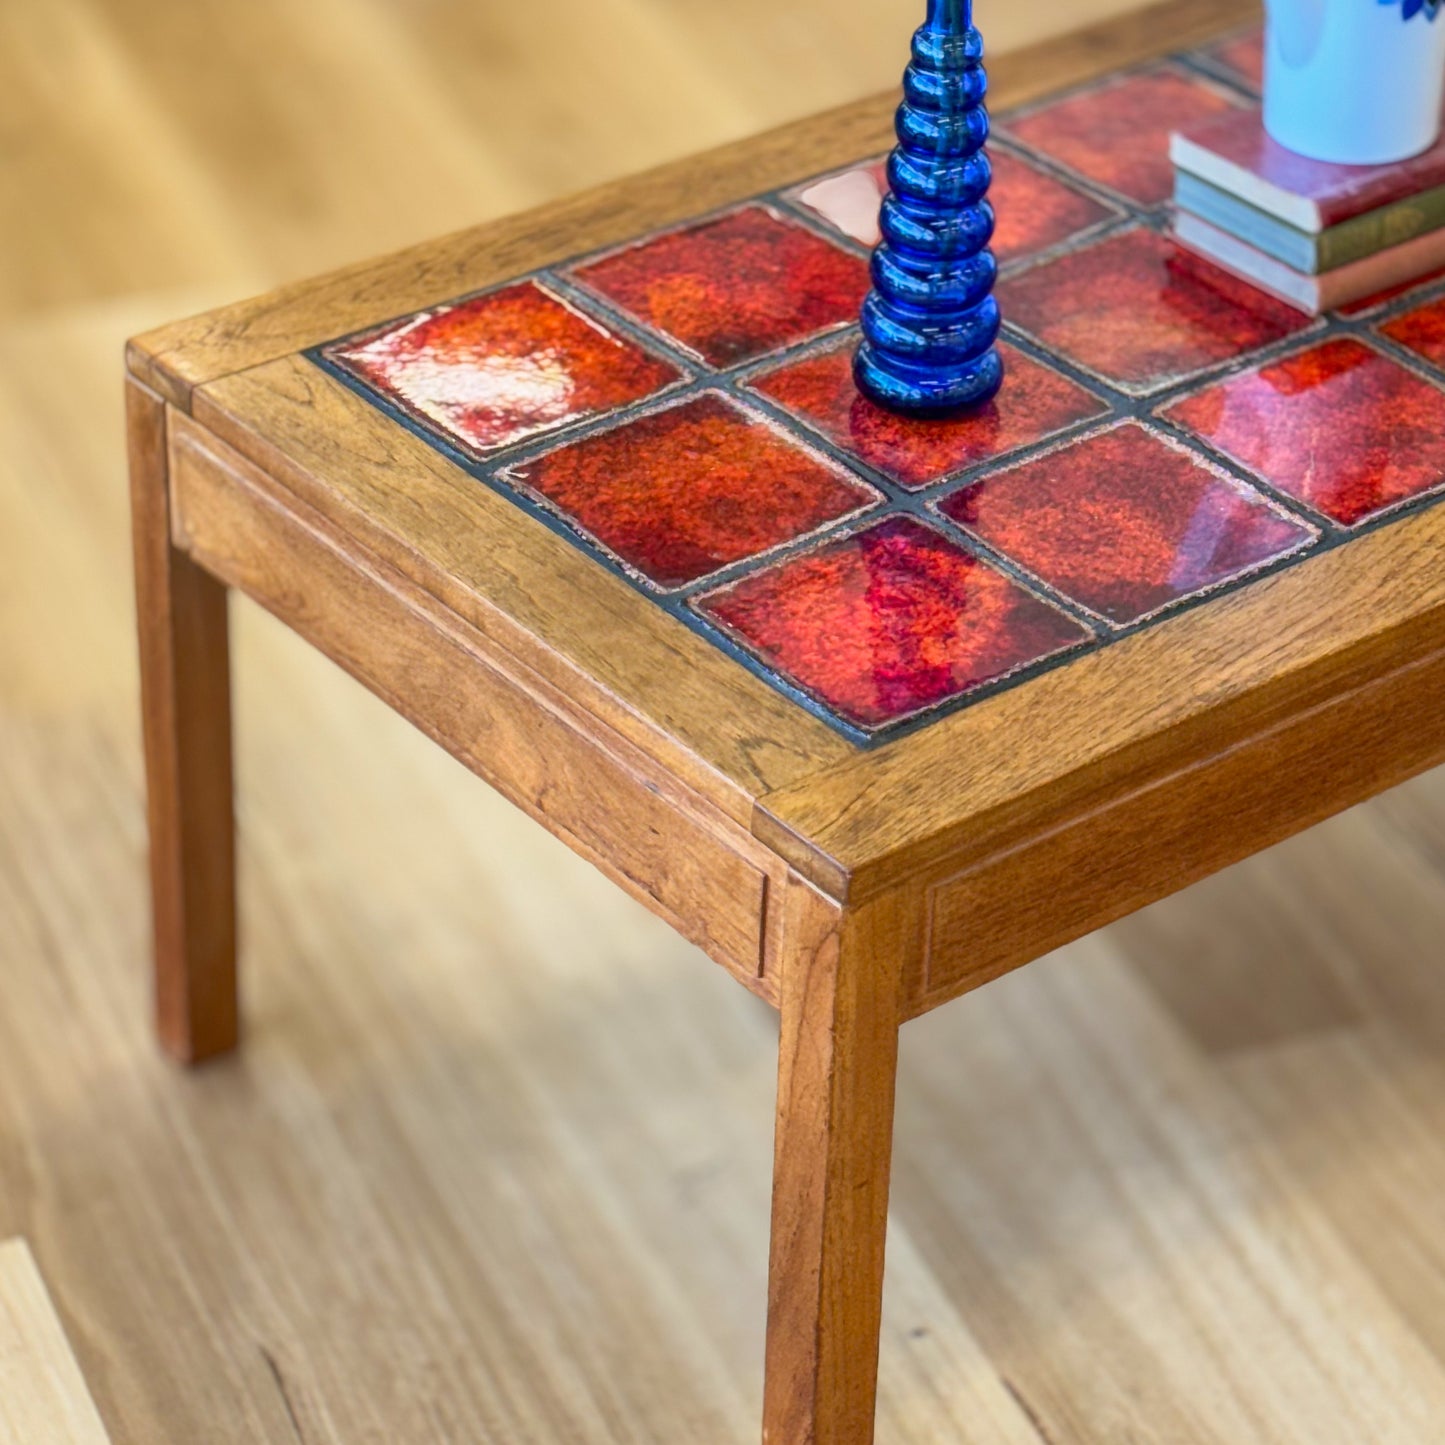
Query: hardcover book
{"x": 1312, "y": 294}
{"x": 1233, "y": 153}
{"x": 1311, "y": 251}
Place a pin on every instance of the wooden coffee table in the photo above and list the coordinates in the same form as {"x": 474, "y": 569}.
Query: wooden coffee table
{"x": 872, "y": 712}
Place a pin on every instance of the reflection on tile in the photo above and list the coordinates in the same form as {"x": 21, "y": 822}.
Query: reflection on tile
{"x": 734, "y": 287}
{"x": 502, "y": 367}
{"x": 1126, "y": 523}
{"x": 1033, "y": 210}
{"x": 1143, "y": 312}
{"x": 888, "y": 621}
{"x": 680, "y": 492}
{"x": 1339, "y": 426}
{"x": 1118, "y": 133}
{"x": 849, "y": 200}
{"x": 1243, "y": 57}
{"x": 1036, "y": 402}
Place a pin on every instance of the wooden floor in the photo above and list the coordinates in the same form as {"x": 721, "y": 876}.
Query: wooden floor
{"x": 1181, "y": 1183}
{"x": 43, "y": 1399}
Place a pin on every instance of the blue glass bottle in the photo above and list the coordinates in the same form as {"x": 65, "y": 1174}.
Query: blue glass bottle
{"x": 930, "y": 321}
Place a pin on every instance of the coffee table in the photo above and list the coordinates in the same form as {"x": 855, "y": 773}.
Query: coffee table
{"x": 870, "y": 711}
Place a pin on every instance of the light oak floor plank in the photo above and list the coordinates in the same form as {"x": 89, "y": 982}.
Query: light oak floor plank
{"x": 42, "y": 1394}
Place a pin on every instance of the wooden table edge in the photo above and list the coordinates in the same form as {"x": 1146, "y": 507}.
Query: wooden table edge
{"x": 1315, "y": 644}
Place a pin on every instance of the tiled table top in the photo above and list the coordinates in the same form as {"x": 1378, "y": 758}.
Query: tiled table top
{"x": 682, "y": 409}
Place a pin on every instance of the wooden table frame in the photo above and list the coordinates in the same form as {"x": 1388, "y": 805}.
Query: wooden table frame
{"x": 852, "y": 889}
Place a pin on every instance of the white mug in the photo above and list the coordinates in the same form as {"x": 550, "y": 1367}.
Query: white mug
{"x": 1353, "y": 81}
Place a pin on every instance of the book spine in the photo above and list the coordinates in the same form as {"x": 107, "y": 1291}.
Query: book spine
{"x": 1235, "y": 179}
{"x": 1299, "y": 250}
{"x": 1408, "y": 261}
{"x": 1312, "y": 253}
{"x": 1379, "y": 230}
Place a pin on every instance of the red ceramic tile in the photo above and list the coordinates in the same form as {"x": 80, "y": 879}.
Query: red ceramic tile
{"x": 1035, "y": 403}
{"x": 889, "y": 621}
{"x": 1243, "y": 57}
{"x": 504, "y": 366}
{"x": 1126, "y": 523}
{"x": 1339, "y": 426}
{"x": 678, "y": 493}
{"x": 1422, "y": 330}
{"x": 1143, "y": 312}
{"x": 1033, "y": 210}
{"x": 735, "y": 287}
{"x": 1118, "y": 133}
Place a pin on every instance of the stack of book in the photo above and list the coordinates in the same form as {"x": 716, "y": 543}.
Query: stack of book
{"x": 1313, "y": 234}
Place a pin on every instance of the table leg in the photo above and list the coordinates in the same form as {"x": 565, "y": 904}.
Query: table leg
{"x": 837, "y": 1066}
{"x": 186, "y": 707}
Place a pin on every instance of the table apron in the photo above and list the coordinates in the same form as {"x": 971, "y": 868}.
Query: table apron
{"x": 1097, "y": 866}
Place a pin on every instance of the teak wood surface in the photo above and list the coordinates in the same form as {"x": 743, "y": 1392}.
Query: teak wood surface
{"x": 851, "y": 889}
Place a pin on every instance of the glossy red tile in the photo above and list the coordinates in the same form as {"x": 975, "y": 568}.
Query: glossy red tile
{"x": 1339, "y": 426}
{"x": 502, "y": 367}
{"x": 678, "y": 493}
{"x": 1421, "y": 330}
{"x": 1126, "y": 523}
{"x": 734, "y": 287}
{"x": 1118, "y": 133}
{"x": 1033, "y": 210}
{"x": 888, "y": 621}
{"x": 1036, "y": 402}
{"x": 1243, "y": 57}
{"x": 1143, "y": 313}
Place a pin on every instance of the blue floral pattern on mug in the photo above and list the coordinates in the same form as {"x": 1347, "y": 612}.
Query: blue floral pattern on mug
{"x": 1410, "y": 8}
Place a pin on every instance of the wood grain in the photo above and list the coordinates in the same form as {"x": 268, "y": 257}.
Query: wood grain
{"x": 186, "y": 705}
{"x": 834, "y": 1140}
{"x": 1121, "y": 785}
{"x": 43, "y": 1399}
{"x": 1090, "y": 870}
{"x": 498, "y": 1129}
{"x": 494, "y": 1164}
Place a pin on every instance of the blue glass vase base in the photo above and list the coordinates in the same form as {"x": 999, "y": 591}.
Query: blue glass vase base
{"x": 928, "y": 391}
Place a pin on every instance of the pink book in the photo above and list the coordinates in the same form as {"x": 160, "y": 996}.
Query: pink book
{"x": 1312, "y": 294}
{"x": 1233, "y": 152}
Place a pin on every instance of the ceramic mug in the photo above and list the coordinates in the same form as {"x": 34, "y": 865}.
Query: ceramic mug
{"x": 1356, "y": 82}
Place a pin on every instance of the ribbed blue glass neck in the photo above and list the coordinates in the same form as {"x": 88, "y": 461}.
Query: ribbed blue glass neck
{"x": 952, "y": 17}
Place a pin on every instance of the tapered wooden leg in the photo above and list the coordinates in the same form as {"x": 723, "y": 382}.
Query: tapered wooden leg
{"x": 836, "y": 1073}
{"x": 186, "y": 705}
